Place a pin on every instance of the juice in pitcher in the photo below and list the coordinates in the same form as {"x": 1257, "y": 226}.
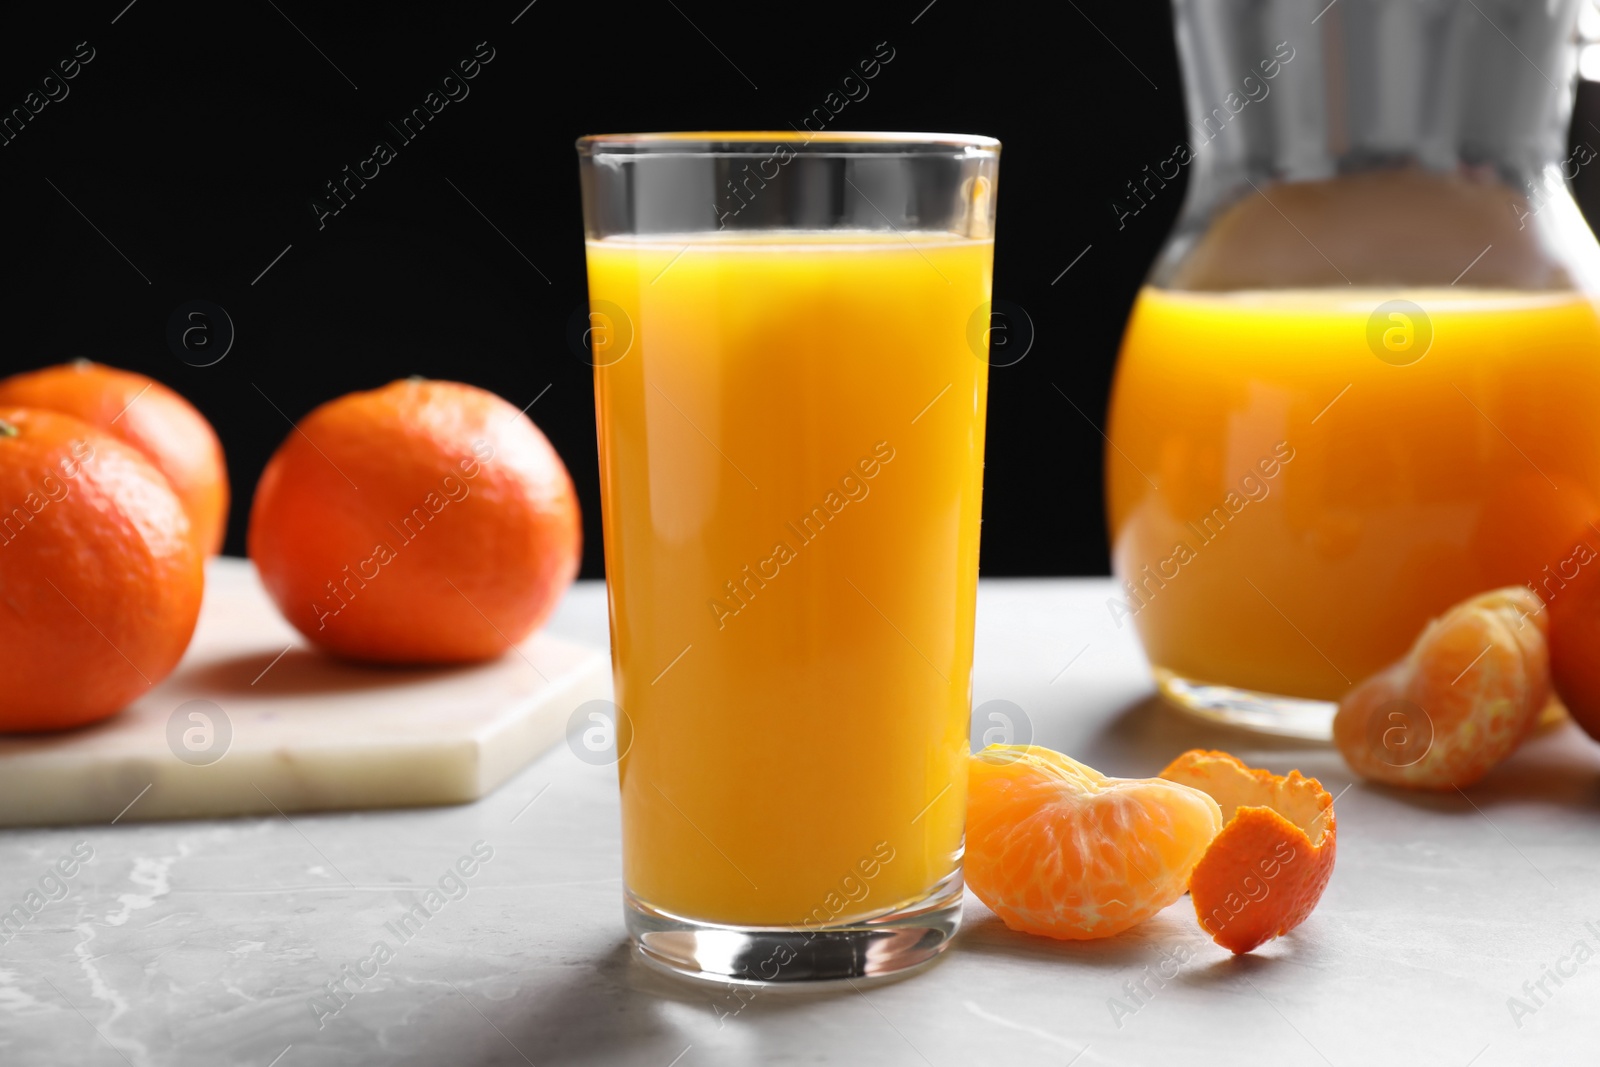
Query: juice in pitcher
{"x": 1292, "y": 499}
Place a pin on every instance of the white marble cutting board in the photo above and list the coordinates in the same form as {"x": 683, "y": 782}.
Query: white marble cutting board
{"x": 308, "y": 733}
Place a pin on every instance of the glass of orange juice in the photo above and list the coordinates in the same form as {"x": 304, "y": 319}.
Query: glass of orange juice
{"x": 789, "y": 335}
{"x": 1362, "y": 381}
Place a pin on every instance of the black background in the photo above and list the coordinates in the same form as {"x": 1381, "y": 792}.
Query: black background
{"x": 197, "y": 138}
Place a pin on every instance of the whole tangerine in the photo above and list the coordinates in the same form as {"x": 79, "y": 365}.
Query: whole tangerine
{"x": 1575, "y": 637}
{"x": 100, "y": 577}
{"x": 139, "y": 411}
{"x": 422, "y": 522}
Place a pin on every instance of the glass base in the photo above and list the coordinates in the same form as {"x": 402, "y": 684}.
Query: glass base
{"x": 885, "y": 946}
{"x": 1246, "y": 709}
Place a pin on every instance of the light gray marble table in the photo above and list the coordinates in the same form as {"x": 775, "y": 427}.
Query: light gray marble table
{"x": 209, "y": 942}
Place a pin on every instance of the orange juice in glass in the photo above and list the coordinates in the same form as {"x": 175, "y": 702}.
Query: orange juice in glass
{"x": 790, "y": 400}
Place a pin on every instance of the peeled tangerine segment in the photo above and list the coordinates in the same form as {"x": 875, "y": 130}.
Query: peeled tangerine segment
{"x": 1461, "y": 700}
{"x": 1059, "y": 849}
{"x": 1267, "y": 869}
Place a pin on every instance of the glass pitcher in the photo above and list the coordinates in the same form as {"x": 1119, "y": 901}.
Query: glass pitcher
{"x": 1362, "y": 381}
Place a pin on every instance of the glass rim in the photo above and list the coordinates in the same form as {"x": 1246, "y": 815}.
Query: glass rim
{"x": 712, "y": 144}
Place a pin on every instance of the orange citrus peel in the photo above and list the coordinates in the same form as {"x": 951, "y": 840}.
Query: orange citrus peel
{"x": 1058, "y": 849}
{"x": 1267, "y": 868}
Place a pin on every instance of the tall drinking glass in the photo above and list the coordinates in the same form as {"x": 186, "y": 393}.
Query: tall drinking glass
{"x": 790, "y": 344}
